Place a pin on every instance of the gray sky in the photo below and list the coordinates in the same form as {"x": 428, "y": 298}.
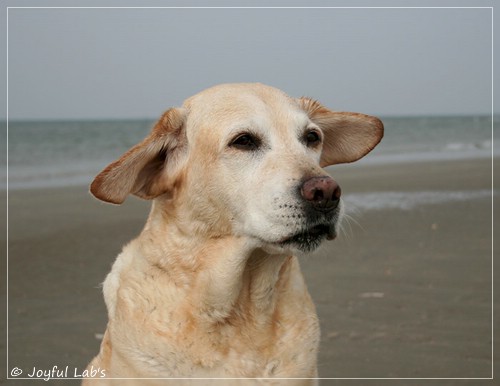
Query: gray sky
{"x": 135, "y": 63}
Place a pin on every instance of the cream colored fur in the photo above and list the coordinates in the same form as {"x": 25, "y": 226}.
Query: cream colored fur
{"x": 209, "y": 289}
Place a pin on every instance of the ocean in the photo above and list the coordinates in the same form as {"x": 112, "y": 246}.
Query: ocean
{"x": 56, "y": 154}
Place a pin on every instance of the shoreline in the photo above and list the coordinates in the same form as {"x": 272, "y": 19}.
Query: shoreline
{"x": 371, "y": 161}
{"x": 379, "y": 163}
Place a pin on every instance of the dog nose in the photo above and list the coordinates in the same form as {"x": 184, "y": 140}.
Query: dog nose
{"x": 322, "y": 192}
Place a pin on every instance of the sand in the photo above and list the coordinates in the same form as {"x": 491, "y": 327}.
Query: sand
{"x": 402, "y": 293}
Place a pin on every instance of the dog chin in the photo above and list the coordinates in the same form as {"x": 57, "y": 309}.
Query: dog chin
{"x": 304, "y": 241}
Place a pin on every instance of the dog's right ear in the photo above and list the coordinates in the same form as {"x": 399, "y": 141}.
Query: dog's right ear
{"x": 348, "y": 136}
{"x": 147, "y": 169}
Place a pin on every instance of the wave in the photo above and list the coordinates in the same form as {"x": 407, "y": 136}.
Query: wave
{"x": 358, "y": 202}
{"x": 459, "y": 146}
{"x": 452, "y": 152}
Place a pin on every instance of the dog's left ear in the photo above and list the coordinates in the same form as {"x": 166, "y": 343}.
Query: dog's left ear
{"x": 148, "y": 169}
{"x": 348, "y": 136}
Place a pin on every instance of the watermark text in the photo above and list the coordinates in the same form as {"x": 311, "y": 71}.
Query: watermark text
{"x": 57, "y": 372}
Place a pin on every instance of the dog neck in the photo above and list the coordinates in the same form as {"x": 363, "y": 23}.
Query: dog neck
{"x": 222, "y": 275}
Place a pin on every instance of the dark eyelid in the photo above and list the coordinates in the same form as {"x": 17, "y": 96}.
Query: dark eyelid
{"x": 253, "y": 141}
{"x": 311, "y": 130}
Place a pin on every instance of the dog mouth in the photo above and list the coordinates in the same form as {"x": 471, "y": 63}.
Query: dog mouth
{"x": 309, "y": 239}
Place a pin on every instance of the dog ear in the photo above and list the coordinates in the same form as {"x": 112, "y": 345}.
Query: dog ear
{"x": 145, "y": 169}
{"x": 348, "y": 136}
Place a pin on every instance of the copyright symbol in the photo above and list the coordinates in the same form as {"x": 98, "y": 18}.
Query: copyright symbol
{"x": 16, "y": 371}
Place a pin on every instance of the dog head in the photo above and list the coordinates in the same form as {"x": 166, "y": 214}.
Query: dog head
{"x": 245, "y": 160}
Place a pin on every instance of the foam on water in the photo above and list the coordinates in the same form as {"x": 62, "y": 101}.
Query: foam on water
{"x": 357, "y": 202}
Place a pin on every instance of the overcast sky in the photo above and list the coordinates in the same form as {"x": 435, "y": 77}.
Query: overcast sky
{"x": 135, "y": 63}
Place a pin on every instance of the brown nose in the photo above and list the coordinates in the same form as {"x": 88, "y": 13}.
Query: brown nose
{"x": 322, "y": 192}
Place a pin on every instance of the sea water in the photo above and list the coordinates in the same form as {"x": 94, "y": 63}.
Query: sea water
{"x": 65, "y": 153}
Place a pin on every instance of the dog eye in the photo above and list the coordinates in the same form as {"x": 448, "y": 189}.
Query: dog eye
{"x": 246, "y": 142}
{"x": 312, "y": 138}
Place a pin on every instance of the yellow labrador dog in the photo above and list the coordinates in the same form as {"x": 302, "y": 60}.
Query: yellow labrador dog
{"x": 211, "y": 287}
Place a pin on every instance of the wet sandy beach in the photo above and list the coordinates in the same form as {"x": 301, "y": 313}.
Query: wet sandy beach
{"x": 404, "y": 292}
